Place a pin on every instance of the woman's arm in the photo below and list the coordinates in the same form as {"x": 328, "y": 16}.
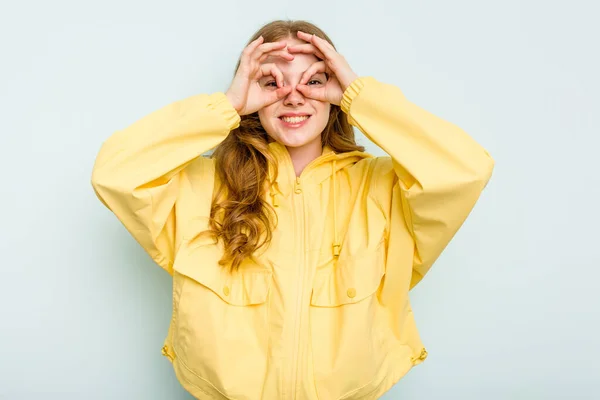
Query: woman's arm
{"x": 439, "y": 170}
{"x": 138, "y": 169}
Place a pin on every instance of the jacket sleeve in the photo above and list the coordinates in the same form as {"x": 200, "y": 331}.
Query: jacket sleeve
{"x": 138, "y": 170}
{"x": 438, "y": 171}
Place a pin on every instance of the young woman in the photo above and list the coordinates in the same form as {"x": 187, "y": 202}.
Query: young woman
{"x": 292, "y": 251}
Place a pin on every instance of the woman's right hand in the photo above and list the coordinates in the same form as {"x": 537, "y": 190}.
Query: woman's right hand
{"x": 245, "y": 93}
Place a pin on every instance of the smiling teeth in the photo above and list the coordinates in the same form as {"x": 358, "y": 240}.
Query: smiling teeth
{"x": 294, "y": 120}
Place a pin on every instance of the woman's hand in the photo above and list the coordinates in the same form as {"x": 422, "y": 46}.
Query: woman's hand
{"x": 333, "y": 64}
{"x": 245, "y": 93}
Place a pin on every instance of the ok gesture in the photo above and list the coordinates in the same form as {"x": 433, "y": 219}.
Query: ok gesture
{"x": 332, "y": 63}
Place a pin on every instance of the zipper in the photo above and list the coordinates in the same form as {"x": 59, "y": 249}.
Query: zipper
{"x": 301, "y": 223}
{"x": 297, "y": 186}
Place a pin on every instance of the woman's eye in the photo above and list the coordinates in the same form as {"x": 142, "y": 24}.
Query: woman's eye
{"x": 314, "y": 82}
{"x": 271, "y": 84}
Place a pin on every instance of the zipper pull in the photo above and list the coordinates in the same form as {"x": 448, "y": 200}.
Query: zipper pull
{"x": 297, "y": 186}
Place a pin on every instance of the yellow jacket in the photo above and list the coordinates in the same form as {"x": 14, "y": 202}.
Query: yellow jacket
{"x": 324, "y": 312}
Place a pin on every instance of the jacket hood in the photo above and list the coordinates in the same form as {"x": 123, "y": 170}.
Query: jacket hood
{"x": 317, "y": 171}
{"x": 320, "y": 169}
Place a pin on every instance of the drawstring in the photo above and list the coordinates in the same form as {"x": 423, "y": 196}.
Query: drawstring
{"x": 273, "y": 191}
{"x": 336, "y": 245}
{"x": 274, "y": 194}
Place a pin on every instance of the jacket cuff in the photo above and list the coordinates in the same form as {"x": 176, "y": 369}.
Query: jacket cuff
{"x": 221, "y": 104}
{"x": 351, "y": 92}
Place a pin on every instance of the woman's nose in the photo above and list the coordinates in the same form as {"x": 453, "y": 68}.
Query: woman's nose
{"x": 294, "y": 97}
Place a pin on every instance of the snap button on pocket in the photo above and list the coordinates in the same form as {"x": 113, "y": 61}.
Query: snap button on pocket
{"x": 226, "y": 290}
{"x": 350, "y": 279}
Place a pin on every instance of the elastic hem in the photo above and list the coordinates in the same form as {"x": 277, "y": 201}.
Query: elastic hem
{"x": 221, "y": 104}
{"x": 350, "y": 93}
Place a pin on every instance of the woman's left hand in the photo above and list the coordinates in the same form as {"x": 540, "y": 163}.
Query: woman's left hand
{"x": 333, "y": 64}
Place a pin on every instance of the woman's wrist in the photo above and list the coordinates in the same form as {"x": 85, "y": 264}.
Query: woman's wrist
{"x": 232, "y": 101}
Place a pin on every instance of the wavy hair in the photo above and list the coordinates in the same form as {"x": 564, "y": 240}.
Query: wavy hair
{"x": 240, "y": 216}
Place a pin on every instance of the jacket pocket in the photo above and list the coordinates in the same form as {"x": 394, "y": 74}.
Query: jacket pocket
{"x": 248, "y": 286}
{"x": 347, "y": 325}
{"x": 221, "y": 324}
{"x": 348, "y": 280}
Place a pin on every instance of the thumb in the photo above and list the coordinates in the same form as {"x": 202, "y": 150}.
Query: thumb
{"x": 313, "y": 93}
{"x": 278, "y": 94}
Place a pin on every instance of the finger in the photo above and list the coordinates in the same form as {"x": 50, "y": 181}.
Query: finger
{"x": 323, "y": 45}
{"x": 315, "y": 68}
{"x": 306, "y": 49}
{"x": 265, "y": 48}
{"x": 277, "y": 53}
{"x": 280, "y": 93}
{"x": 272, "y": 70}
{"x": 313, "y": 93}
{"x": 256, "y": 42}
{"x": 252, "y": 46}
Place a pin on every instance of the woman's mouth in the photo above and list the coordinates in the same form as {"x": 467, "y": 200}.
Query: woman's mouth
{"x": 294, "y": 121}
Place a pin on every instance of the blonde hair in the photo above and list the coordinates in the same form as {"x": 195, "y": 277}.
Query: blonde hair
{"x": 240, "y": 216}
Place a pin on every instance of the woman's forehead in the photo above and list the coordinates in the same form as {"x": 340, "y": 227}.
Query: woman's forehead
{"x": 298, "y": 65}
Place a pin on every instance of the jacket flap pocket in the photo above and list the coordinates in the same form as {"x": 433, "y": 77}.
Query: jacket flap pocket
{"x": 350, "y": 280}
{"x": 247, "y": 286}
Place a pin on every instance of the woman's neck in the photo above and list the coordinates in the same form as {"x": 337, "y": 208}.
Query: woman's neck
{"x": 303, "y": 155}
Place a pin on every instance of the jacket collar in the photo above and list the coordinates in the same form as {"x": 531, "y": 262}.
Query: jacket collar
{"x": 317, "y": 171}
{"x": 320, "y": 169}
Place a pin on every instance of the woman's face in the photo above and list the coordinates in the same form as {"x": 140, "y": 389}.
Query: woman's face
{"x": 294, "y": 121}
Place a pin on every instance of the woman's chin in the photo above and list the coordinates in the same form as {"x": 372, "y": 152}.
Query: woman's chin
{"x": 296, "y": 140}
